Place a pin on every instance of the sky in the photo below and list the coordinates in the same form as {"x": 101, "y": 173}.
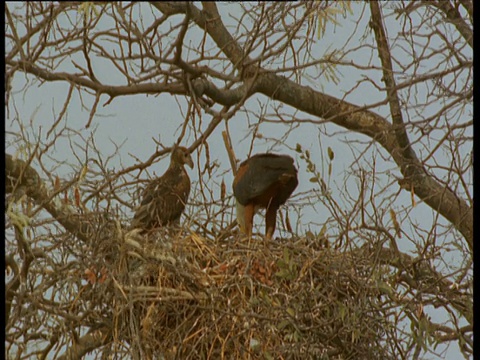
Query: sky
{"x": 135, "y": 122}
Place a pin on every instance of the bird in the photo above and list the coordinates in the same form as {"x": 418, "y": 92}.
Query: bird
{"x": 164, "y": 198}
{"x": 263, "y": 181}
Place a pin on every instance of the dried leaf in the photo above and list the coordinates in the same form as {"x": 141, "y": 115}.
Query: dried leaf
{"x": 29, "y": 208}
{"x": 419, "y": 311}
{"x": 396, "y": 225}
{"x": 78, "y": 201}
{"x": 331, "y": 154}
{"x": 222, "y": 268}
{"x": 83, "y": 173}
{"x": 412, "y": 192}
{"x": 90, "y": 276}
{"x": 287, "y": 223}
{"x": 323, "y": 230}
{"x": 104, "y": 275}
{"x": 56, "y": 186}
{"x": 223, "y": 190}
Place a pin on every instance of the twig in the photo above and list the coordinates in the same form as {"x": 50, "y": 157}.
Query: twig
{"x": 230, "y": 152}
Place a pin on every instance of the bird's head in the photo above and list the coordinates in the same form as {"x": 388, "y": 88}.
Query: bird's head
{"x": 181, "y": 155}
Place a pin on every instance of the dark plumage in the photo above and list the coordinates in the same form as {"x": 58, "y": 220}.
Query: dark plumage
{"x": 164, "y": 198}
{"x": 263, "y": 181}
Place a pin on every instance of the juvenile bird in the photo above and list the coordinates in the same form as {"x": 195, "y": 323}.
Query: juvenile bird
{"x": 164, "y": 198}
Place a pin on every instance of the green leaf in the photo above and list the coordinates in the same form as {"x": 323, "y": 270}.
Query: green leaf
{"x": 384, "y": 288}
{"x": 323, "y": 231}
{"x": 283, "y": 324}
{"x": 286, "y": 255}
{"x": 342, "y": 312}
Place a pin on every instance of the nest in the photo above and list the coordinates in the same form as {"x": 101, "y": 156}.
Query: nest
{"x": 173, "y": 295}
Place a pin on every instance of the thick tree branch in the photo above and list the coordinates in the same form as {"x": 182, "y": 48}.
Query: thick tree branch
{"x": 176, "y": 88}
{"x": 226, "y": 97}
{"x": 453, "y": 16}
{"x": 78, "y": 253}
{"x": 87, "y": 343}
{"x": 468, "y": 5}
{"x": 340, "y": 112}
{"x": 21, "y": 175}
{"x": 392, "y": 95}
{"x": 209, "y": 20}
{"x": 302, "y": 98}
{"x": 355, "y": 118}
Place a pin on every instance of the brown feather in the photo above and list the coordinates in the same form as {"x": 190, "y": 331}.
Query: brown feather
{"x": 263, "y": 181}
{"x": 164, "y": 198}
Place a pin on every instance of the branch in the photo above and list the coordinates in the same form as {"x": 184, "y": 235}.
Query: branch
{"x": 227, "y": 97}
{"x": 468, "y": 5}
{"x": 453, "y": 16}
{"x": 83, "y": 345}
{"x": 19, "y": 174}
{"x": 210, "y": 21}
{"x": 12, "y": 286}
{"x": 427, "y": 280}
{"x": 340, "y": 112}
{"x": 231, "y": 154}
{"x": 176, "y": 88}
{"x": 355, "y": 118}
{"x": 392, "y": 95}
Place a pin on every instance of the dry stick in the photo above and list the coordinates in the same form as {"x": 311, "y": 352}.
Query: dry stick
{"x": 231, "y": 154}
{"x": 233, "y": 164}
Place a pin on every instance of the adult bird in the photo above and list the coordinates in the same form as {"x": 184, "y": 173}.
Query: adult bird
{"x": 164, "y": 198}
{"x": 263, "y": 181}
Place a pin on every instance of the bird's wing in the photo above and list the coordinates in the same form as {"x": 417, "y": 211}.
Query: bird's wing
{"x": 259, "y": 173}
{"x": 163, "y": 201}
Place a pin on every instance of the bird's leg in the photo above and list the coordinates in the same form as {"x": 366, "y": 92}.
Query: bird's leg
{"x": 271, "y": 218}
{"x": 248, "y": 216}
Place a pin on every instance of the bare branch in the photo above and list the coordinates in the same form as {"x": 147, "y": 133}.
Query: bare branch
{"x": 87, "y": 343}
{"x": 453, "y": 16}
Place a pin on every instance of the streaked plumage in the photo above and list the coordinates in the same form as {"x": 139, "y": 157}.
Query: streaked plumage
{"x": 263, "y": 181}
{"x": 164, "y": 198}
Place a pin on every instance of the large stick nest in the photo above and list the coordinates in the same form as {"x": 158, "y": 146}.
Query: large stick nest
{"x": 177, "y": 295}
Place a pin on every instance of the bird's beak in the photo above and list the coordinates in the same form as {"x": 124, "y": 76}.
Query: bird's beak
{"x": 189, "y": 161}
